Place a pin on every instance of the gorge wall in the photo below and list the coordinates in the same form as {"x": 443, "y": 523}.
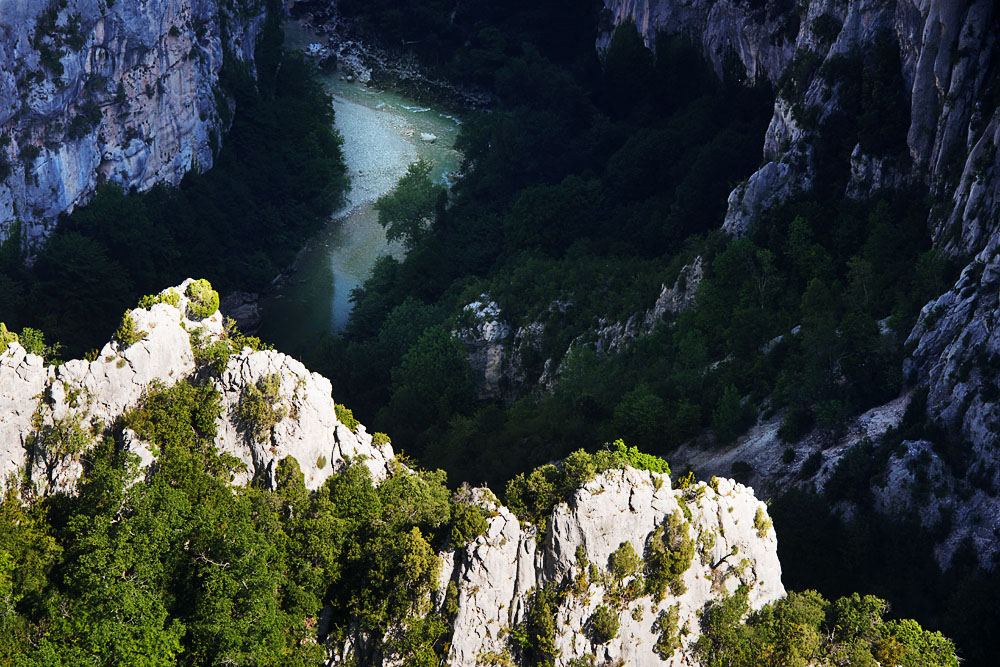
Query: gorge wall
{"x": 97, "y": 90}
{"x": 730, "y": 540}
{"x": 949, "y": 116}
{"x": 949, "y": 69}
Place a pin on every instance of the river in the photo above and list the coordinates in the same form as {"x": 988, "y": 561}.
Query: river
{"x": 382, "y": 137}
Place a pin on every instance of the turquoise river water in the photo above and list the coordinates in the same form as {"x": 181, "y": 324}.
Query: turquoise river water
{"x": 382, "y": 137}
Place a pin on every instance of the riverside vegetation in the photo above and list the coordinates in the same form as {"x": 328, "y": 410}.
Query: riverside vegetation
{"x": 565, "y": 198}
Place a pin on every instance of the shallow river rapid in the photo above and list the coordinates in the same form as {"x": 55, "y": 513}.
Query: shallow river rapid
{"x": 382, "y": 137}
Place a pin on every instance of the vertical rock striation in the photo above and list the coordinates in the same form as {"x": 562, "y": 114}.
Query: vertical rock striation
{"x": 97, "y": 90}
{"x": 949, "y": 67}
{"x": 732, "y": 544}
{"x": 948, "y": 72}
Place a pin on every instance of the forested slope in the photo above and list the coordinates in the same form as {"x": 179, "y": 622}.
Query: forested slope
{"x": 583, "y": 201}
{"x": 686, "y": 240}
{"x": 191, "y": 498}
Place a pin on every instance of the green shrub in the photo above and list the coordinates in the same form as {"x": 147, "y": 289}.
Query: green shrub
{"x": 240, "y": 340}
{"x": 741, "y": 471}
{"x": 796, "y": 424}
{"x": 762, "y": 522}
{"x": 210, "y": 352}
{"x": 667, "y": 626}
{"x": 380, "y": 439}
{"x": 204, "y": 300}
{"x": 812, "y": 465}
{"x": 533, "y": 496}
{"x": 127, "y": 334}
{"x": 170, "y": 297}
{"x": 6, "y": 337}
{"x": 467, "y": 523}
{"x": 345, "y": 416}
{"x": 624, "y": 561}
{"x": 803, "y": 628}
{"x": 537, "y": 633}
{"x": 669, "y": 550}
{"x": 631, "y": 456}
{"x": 730, "y": 417}
{"x": 256, "y": 410}
{"x": 66, "y": 437}
{"x": 321, "y": 462}
{"x": 603, "y": 625}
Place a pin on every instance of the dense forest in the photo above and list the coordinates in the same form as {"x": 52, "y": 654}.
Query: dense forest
{"x": 593, "y": 181}
{"x": 177, "y": 567}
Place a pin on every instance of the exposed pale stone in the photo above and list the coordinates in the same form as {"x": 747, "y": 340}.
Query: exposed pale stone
{"x": 309, "y": 431}
{"x": 495, "y": 573}
{"x": 92, "y": 394}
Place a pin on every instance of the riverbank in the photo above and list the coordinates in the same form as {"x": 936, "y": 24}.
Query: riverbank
{"x": 361, "y": 57}
{"x": 383, "y": 134}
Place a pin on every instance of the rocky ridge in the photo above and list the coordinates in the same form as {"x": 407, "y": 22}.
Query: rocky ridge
{"x": 496, "y": 351}
{"x": 733, "y": 544}
{"x": 94, "y": 91}
{"x": 49, "y": 415}
{"x": 949, "y": 64}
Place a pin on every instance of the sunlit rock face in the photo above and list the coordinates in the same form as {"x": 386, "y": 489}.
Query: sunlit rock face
{"x": 98, "y": 90}
{"x": 494, "y": 576}
{"x": 51, "y": 415}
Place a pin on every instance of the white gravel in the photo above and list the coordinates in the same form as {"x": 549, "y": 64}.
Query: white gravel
{"x": 375, "y": 150}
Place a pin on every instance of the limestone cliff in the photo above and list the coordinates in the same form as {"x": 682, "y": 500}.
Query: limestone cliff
{"x": 497, "y": 352}
{"x": 97, "y": 90}
{"x": 49, "y": 415}
{"x": 949, "y": 121}
{"x": 949, "y": 64}
{"x": 731, "y": 542}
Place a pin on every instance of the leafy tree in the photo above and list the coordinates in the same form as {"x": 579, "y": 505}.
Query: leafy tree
{"x": 603, "y": 624}
{"x": 641, "y": 416}
{"x": 804, "y": 629}
{"x": 728, "y": 419}
{"x": 432, "y": 382}
{"x": 406, "y": 211}
{"x": 669, "y": 550}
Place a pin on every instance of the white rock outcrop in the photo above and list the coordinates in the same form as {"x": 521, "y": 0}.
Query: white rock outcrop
{"x": 309, "y": 432}
{"x": 947, "y": 60}
{"x": 486, "y": 341}
{"x": 22, "y": 378}
{"x": 48, "y": 413}
{"x": 94, "y": 91}
{"x": 495, "y": 574}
